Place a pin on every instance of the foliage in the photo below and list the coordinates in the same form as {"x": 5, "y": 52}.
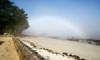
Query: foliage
{"x": 12, "y": 19}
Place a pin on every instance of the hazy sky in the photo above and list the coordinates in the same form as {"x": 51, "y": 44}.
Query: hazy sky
{"x": 63, "y": 17}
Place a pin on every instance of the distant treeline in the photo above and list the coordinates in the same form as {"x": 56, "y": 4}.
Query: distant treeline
{"x": 12, "y": 19}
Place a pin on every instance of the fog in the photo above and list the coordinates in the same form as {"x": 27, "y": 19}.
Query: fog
{"x": 53, "y": 26}
{"x": 57, "y": 27}
{"x": 62, "y": 17}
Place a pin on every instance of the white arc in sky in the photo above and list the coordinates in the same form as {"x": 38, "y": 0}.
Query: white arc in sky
{"x": 54, "y": 27}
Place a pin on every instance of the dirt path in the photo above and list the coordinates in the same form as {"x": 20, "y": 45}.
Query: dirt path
{"x": 7, "y": 49}
{"x": 12, "y": 49}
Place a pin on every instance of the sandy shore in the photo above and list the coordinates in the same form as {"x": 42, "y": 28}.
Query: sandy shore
{"x": 89, "y": 52}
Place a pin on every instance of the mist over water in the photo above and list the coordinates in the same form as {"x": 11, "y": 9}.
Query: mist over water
{"x": 53, "y": 26}
{"x": 57, "y": 27}
{"x": 67, "y": 18}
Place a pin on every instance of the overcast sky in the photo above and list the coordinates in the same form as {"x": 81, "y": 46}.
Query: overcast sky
{"x": 63, "y": 17}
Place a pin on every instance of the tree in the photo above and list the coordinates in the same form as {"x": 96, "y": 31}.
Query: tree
{"x": 12, "y": 19}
